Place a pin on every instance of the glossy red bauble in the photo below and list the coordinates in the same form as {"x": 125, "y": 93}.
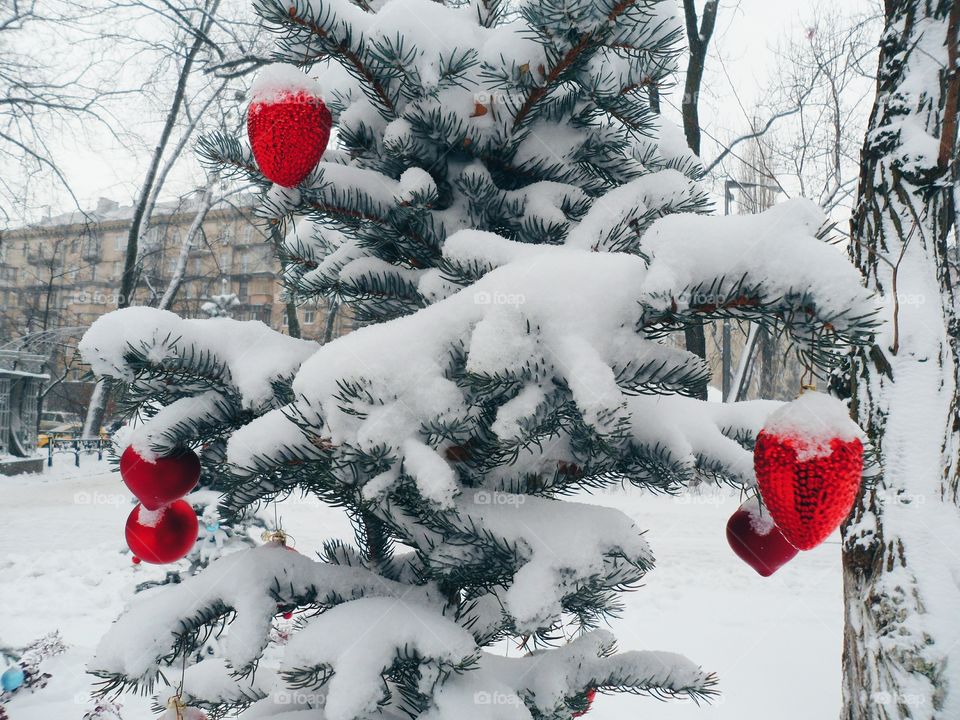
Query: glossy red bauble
{"x": 757, "y": 541}
{"x": 288, "y": 134}
{"x": 808, "y": 494}
{"x": 156, "y": 483}
{"x": 164, "y": 535}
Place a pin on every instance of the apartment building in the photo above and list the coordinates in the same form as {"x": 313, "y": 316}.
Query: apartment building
{"x": 59, "y": 275}
{"x": 65, "y": 271}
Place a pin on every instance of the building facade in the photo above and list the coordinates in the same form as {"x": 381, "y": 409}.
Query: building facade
{"x": 65, "y": 271}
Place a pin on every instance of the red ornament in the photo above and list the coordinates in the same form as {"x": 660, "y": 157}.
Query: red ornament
{"x": 591, "y": 694}
{"x": 287, "y": 615}
{"x": 164, "y": 535}
{"x": 809, "y": 460}
{"x": 159, "y": 482}
{"x": 288, "y": 125}
{"x": 135, "y": 560}
{"x": 757, "y": 541}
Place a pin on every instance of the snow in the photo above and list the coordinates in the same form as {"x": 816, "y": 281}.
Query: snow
{"x": 757, "y": 634}
{"x": 435, "y": 479}
{"x": 776, "y": 248}
{"x": 254, "y": 356}
{"x": 359, "y": 640}
{"x": 278, "y": 80}
{"x": 812, "y": 421}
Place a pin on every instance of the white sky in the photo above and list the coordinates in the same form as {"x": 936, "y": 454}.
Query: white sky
{"x": 744, "y": 45}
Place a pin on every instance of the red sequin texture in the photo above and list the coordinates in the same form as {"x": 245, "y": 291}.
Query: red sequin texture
{"x": 807, "y": 499}
{"x": 289, "y": 136}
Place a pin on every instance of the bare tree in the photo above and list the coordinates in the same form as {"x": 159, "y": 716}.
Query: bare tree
{"x": 39, "y": 98}
{"x": 825, "y": 75}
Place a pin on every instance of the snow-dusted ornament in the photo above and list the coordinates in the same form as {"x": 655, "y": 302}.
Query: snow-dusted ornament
{"x": 809, "y": 460}
{"x": 159, "y": 481}
{"x": 176, "y": 710}
{"x": 162, "y": 536}
{"x": 757, "y": 541}
{"x": 288, "y": 124}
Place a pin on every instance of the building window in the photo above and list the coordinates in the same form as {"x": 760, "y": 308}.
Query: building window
{"x": 224, "y": 262}
{"x": 118, "y": 240}
{"x": 245, "y": 263}
{"x": 93, "y": 272}
{"x": 309, "y": 317}
{"x": 198, "y": 266}
{"x": 242, "y": 291}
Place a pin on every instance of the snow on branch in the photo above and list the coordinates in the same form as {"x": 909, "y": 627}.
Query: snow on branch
{"x": 191, "y": 378}
{"x": 249, "y": 585}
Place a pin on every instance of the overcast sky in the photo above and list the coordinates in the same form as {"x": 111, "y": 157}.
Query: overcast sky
{"x": 742, "y": 55}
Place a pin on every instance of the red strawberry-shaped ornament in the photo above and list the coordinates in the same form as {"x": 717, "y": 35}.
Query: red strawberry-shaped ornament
{"x": 757, "y": 541}
{"x": 809, "y": 460}
{"x": 591, "y": 694}
{"x": 160, "y": 481}
{"x": 164, "y": 535}
{"x": 287, "y": 123}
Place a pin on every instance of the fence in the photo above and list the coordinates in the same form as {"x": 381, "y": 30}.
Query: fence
{"x": 75, "y": 445}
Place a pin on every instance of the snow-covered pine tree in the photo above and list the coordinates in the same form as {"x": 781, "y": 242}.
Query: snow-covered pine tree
{"x": 521, "y": 234}
{"x": 901, "y": 656}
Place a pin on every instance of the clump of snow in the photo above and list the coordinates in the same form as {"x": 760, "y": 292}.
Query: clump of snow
{"x": 776, "y": 249}
{"x": 415, "y": 181}
{"x": 244, "y": 581}
{"x": 253, "y": 355}
{"x": 360, "y": 640}
{"x": 278, "y": 80}
{"x": 760, "y": 520}
{"x": 811, "y": 422}
{"x": 435, "y": 479}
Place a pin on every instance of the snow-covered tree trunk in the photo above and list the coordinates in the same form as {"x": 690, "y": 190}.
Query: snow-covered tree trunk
{"x": 900, "y": 546}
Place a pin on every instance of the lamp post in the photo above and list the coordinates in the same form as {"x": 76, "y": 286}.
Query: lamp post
{"x": 731, "y": 387}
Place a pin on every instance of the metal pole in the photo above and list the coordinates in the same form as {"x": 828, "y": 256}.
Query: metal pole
{"x": 726, "y": 360}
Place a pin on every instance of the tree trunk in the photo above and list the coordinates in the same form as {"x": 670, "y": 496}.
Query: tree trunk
{"x": 206, "y": 202}
{"x": 901, "y": 545}
{"x": 698, "y": 39}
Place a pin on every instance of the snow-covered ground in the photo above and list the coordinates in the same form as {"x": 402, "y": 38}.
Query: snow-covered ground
{"x": 774, "y": 642}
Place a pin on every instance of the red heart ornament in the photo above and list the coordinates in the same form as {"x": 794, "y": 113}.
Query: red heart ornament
{"x": 757, "y": 541}
{"x": 808, "y": 494}
{"x": 164, "y": 535}
{"x": 288, "y": 134}
{"x": 159, "y": 482}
